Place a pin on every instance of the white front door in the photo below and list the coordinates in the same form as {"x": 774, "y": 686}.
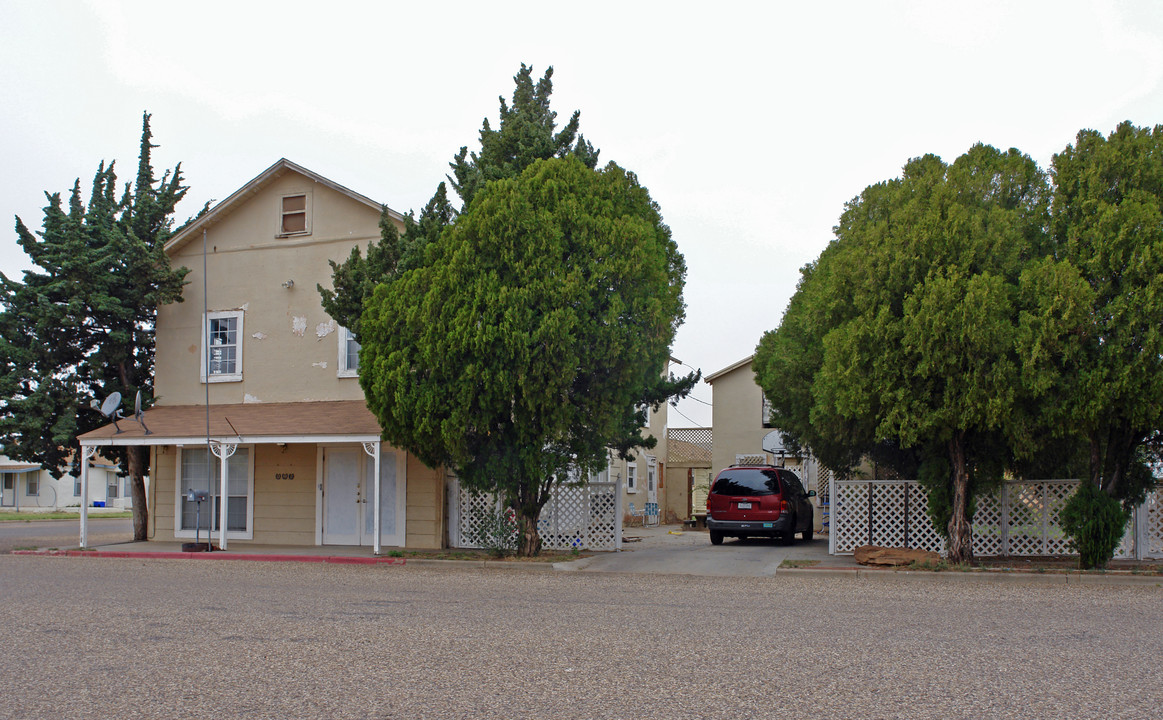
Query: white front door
{"x": 342, "y": 496}
{"x": 349, "y": 498}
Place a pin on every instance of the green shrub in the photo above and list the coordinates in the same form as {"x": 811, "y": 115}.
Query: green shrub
{"x": 496, "y": 532}
{"x": 1095, "y": 523}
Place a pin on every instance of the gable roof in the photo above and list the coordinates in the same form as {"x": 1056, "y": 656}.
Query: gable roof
{"x": 730, "y": 368}
{"x": 247, "y": 191}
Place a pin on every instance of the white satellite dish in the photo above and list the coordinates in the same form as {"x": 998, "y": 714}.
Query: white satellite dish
{"x": 110, "y": 405}
{"x": 139, "y": 416}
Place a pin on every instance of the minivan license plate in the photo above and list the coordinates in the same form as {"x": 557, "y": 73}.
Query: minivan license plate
{"x": 744, "y": 506}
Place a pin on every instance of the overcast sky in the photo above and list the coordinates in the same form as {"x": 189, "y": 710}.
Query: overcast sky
{"x": 751, "y": 123}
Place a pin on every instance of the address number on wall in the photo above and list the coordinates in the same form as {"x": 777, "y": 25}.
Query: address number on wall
{"x": 284, "y": 476}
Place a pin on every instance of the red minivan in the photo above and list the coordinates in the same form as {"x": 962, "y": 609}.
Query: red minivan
{"x": 759, "y": 501}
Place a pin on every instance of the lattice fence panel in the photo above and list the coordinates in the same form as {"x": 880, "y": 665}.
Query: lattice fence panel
{"x": 1153, "y": 542}
{"x": 475, "y": 510}
{"x": 850, "y": 516}
{"x": 922, "y": 534}
{"x": 823, "y": 482}
{"x": 888, "y": 515}
{"x": 688, "y": 446}
{"x": 1022, "y": 519}
{"x": 576, "y": 516}
{"x": 988, "y": 534}
{"x": 1027, "y": 511}
{"x": 1055, "y": 540}
{"x": 751, "y": 459}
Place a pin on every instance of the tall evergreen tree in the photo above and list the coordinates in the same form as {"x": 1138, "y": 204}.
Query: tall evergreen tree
{"x": 527, "y": 133}
{"x": 81, "y": 325}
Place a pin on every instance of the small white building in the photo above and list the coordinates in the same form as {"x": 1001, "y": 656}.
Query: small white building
{"x": 27, "y": 486}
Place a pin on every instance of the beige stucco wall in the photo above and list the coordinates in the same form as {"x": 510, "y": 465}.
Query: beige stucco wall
{"x": 246, "y": 268}
{"x": 285, "y": 480}
{"x": 425, "y": 526}
{"x": 163, "y": 470}
{"x": 737, "y": 416}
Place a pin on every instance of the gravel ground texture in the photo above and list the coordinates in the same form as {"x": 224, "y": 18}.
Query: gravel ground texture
{"x": 112, "y": 638}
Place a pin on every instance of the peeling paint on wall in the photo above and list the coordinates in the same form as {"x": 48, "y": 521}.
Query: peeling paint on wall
{"x": 259, "y": 336}
{"x": 298, "y": 325}
{"x": 322, "y": 330}
{"x": 322, "y": 364}
{"x": 245, "y": 307}
{"x": 248, "y": 398}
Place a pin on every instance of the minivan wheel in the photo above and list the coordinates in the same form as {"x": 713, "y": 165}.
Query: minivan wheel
{"x": 806, "y": 535}
{"x": 788, "y": 538}
{"x": 716, "y": 538}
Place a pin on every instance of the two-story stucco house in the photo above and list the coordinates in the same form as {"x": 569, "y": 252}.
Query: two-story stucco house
{"x": 258, "y": 399}
{"x": 743, "y": 431}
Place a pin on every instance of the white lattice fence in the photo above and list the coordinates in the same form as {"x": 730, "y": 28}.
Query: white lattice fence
{"x": 1020, "y": 520}
{"x": 886, "y": 513}
{"x": 1154, "y": 524}
{"x": 582, "y": 516}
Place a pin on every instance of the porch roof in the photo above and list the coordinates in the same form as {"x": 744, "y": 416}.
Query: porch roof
{"x": 296, "y": 422}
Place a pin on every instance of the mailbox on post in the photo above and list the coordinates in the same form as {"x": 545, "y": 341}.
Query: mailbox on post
{"x": 197, "y": 497}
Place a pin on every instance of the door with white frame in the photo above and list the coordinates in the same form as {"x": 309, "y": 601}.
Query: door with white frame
{"x": 348, "y": 497}
{"x": 651, "y": 479}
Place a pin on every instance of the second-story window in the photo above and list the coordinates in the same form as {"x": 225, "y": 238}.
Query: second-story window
{"x": 222, "y": 347}
{"x": 295, "y": 215}
{"x": 348, "y": 354}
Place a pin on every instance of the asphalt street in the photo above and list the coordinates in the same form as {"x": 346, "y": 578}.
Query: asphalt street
{"x": 127, "y": 638}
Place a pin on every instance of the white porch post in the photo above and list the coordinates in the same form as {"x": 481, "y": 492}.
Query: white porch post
{"x": 832, "y": 504}
{"x": 87, "y": 452}
{"x": 373, "y": 449}
{"x": 617, "y": 501}
{"x": 223, "y": 452}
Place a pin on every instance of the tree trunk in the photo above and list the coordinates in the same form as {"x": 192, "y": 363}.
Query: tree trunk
{"x": 960, "y": 548}
{"x": 136, "y": 461}
{"x": 528, "y": 540}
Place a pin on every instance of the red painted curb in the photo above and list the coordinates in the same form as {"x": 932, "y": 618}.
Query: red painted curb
{"x": 252, "y": 557}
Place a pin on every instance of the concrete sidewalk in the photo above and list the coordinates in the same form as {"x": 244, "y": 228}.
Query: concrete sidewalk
{"x": 663, "y": 550}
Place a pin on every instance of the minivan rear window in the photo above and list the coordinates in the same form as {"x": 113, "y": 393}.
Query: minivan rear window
{"x": 747, "y": 481}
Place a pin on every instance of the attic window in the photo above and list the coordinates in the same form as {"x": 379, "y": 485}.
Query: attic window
{"x": 294, "y": 218}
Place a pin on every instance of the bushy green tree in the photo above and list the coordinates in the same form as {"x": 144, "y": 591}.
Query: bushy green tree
{"x": 81, "y": 325}
{"x": 527, "y": 134}
{"x": 1095, "y": 340}
{"x": 901, "y": 338}
{"x": 519, "y": 349}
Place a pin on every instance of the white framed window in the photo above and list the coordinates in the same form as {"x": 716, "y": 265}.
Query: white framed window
{"x": 632, "y": 477}
{"x": 765, "y": 412}
{"x": 222, "y": 346}
{"x": 294, "y": 214}
{"x": 111, "y": 487}
{"x": 33, "y": 484}
{"x": 651, "y": 473}
{"x": 348, "y": 354}
{"x": 77, "y": 487}
{"x": 194, "y": 473}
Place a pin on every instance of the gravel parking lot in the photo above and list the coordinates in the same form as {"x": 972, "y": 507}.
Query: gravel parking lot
{"x": 89, "y": 638}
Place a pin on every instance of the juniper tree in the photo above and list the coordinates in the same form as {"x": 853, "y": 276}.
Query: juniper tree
{"x": 81, "y": 324}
